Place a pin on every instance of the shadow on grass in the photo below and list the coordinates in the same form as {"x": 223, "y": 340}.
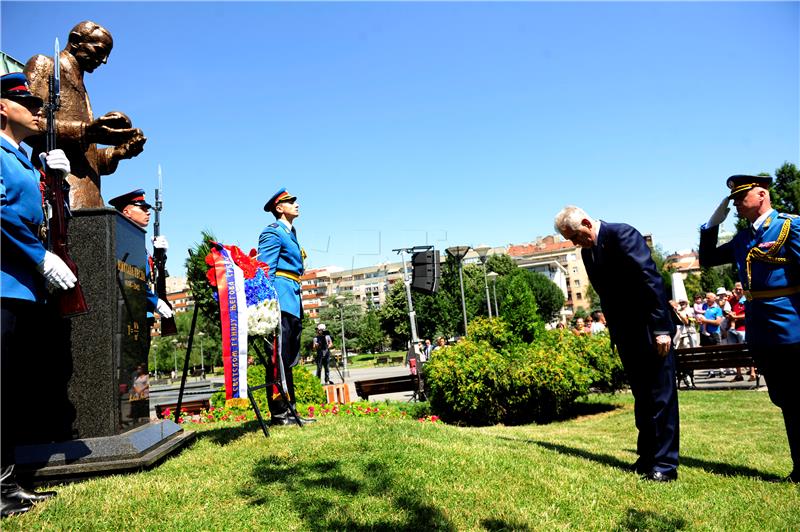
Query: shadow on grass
{"x": 717, "y": 468}
{"x": 225, "y": 435}
{"x": 319, "y": 491}
{"x": 638, "y": 520}
{"x": 590, "y": 409}
{"x": 499, "y": 525}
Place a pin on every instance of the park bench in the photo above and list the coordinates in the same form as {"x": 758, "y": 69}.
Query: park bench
{"x": 397, "y": 359}
{"x": 381, "y": 360}
{"x": 712, "y": 357}
{"x": 403, "y": 383}
{"x": 192, "y": 407}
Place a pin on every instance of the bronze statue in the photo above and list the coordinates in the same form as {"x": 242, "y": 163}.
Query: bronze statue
{"x": 78, "y": 132}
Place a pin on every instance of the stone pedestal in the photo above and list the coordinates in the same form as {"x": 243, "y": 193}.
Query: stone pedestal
{"x": 93, "y": 394}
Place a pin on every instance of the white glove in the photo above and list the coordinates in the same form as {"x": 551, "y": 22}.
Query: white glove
{"x": 720, "y": 214}
{"x": 56, "y": 272}
{"x": 56, "y": 160}
{"x": 160, "y": 242}
{"x": 163, "y": 309}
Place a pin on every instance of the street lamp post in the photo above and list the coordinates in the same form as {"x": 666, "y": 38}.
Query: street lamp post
{"x": 458, "y": 253}
{"x": 493, "y": 276}
{"x": 340, "y": 299}
{"x": 202, "y": 359}
{"x": 482, "y": 252}
{"x": 175, "y": 345}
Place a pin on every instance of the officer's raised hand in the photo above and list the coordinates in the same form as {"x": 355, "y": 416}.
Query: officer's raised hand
{"x": 719, "y": 214}
{"x": 56, "y": 272}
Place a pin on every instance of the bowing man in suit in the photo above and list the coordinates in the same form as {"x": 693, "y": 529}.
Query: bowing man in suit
{"x": 279, "y": 248}
{"x": 638, "y": 318}
{"x": 767, "y": 254}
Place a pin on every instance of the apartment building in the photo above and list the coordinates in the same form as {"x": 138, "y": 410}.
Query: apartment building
{"x": 683, "y": 262}
{"x": 179, "y": 296}
{"x": 367, "y": 285}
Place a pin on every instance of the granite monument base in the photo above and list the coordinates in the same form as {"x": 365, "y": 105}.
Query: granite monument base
{"x": 134, "y": 450}
{"x": 93, "y": 402}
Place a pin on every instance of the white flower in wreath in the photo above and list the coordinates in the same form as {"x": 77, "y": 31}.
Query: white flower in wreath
{"x": 262, "y": 318}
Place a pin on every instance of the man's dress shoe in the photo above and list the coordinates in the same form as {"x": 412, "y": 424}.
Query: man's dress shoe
{"x": 9, "y": 507}
{"x": 661, "y": 476}
{"x": 18, "y": 493}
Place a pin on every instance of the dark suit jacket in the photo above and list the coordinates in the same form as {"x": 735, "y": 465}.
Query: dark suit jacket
{"x": 622, "y": 272}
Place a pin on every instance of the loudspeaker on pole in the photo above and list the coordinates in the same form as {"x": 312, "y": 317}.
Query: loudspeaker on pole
{"x": 425, "y": 271}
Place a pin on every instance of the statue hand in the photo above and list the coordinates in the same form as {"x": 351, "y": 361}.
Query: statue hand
{"x": 112, "y": 129}
{"x": 131, "y": 148}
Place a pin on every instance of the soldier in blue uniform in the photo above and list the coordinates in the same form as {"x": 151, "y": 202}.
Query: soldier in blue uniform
{"x": 27, "y": 270}
{"x": 133, "y": 206}
{"x": 279, "y": 248}
{"x": 767, "y": 254}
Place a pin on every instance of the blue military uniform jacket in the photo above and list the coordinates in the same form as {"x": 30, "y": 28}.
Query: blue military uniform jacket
{"x": 278, "y": 247}
{"x": 769, "y": 268}
{"x": 20, "y": 216}
{"x": 622, "y": 272}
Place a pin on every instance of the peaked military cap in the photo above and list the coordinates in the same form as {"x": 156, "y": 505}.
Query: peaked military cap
{"x": 743, "y": 183}
{"x": 15, "y": 87}
{"x": 134, "y": 197}
{"x": 279, "y": 196}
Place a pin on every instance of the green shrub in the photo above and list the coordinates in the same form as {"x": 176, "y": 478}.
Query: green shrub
{"x": 595, "y": 351}
{"x": 483, "y": 380}
{"x": 494, "y": 331}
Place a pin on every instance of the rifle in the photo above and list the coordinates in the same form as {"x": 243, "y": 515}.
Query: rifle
{"x": 71, "y": 302}
{"x": 168, "y": 327}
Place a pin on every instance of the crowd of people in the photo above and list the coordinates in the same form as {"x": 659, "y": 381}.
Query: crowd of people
{"x": 714, "y": 319}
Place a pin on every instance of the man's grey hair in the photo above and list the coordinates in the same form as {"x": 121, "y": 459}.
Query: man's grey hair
{"x": 570, "y": 217}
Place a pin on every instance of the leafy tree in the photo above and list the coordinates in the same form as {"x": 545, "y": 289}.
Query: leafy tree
{"x": 307, "y": 336}
{"x": 332, "y": 316}
{"x": 580, "y": 312}
{"x": 693, "y": 286}
{"x": 196, "y": 269}
{"x": 519, "y": 309}
{"x": 785, "y": 193}
{"x": 169, "y": 352}
{"x": 370, "y": 335}
{"x": 393, "y": 314}
{"x": 548, "y": 296}
{"x": 594, "y": 298}
{"x": 713, "y": 278}
{"x": 658, "y": 254}
{"x": 501, "y": 264}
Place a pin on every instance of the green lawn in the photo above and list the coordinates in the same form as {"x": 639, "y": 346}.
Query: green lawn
{"x": 362, "y": 473}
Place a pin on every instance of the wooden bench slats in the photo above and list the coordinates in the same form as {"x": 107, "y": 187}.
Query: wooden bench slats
{"x": 403, "y": 383}
{"x": 713, "y": 357}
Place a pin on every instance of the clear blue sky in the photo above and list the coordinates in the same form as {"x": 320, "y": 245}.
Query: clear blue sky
{"x": 401, "y": 124}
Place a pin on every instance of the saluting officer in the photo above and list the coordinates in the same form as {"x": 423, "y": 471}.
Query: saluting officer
{"x": 767, "y": 255}
{"x": 133, "y": 206}
{"x": 26, "y": 268}
{"x": 279, "y": 248}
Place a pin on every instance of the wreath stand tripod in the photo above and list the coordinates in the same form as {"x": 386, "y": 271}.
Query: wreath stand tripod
{"x": 280, "y": 382}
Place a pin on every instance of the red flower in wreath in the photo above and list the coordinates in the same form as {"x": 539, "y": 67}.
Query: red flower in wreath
{"x": 248, "y": 263}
